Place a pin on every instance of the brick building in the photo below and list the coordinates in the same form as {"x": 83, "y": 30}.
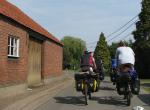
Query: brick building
{"x": 28, "y": 53}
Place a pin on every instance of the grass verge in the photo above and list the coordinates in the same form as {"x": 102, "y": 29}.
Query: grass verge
{"x": 145, "y": 83}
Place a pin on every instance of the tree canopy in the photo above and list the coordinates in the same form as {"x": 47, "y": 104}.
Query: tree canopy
{"x": 72, "y": 51}
{"x": 142, "y": 41}
{"x": 102, "y": 51}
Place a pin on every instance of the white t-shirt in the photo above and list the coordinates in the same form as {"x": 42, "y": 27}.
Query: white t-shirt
{"x": 125, "y": 55}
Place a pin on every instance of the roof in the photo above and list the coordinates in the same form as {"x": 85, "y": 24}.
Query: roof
{"x": 9, "y": 10}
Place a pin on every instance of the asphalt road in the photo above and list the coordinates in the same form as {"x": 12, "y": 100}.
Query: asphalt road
{"x": 105, "y": 99}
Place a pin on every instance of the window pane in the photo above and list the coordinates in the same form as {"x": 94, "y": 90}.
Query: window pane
{"x": 12, "y": 41}
{"x": 13, "y": 46}
{"x": 8, "y": 50}
{"x": 15, "y": 42}
{"x": 8, "y": 40}
{"x": 17, "y": 47}
{"x": 11, "y": 51}
{"x": 15, "y": 51}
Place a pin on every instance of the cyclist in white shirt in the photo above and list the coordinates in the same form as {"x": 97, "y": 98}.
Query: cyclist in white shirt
{"x": 125, "y": 57}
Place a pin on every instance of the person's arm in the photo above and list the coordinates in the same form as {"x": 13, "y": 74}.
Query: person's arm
{"x": 94, "y": 64}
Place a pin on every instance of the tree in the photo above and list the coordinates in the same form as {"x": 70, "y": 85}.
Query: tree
{"x": 102, "y": 51}
{"x": 72, "y": 51}
{"x": 112, "y": 49}
{"x": 142, "y": 41}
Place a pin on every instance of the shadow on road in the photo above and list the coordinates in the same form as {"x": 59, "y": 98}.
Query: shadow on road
{"x": 110, "y": 100}
{"x": 101, "y": 100}
{"x": 145, "y": 98}
{"x": 75, "y": 100}
{"x": 106, "y": 88}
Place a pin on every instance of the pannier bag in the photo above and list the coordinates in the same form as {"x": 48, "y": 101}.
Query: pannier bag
{"x": 93, "y": 85}
{"x": 78, "y": 82}
{"x": 122, "y": 88}
{"x": 122, "y": 84}
{"x": 113, "y": 77}
{"x": 135, "y": 86}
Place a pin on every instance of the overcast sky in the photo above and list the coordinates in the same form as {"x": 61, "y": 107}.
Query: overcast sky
{"x": 84, "y": 19}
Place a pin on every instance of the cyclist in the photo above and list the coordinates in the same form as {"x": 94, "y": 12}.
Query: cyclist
{"x": 87, "y": 62}
{"x": 113, "y": 70}
{"x": 125, "y": 62}
{"x": 125, "y": 57}
{"x": 99, "y": 64}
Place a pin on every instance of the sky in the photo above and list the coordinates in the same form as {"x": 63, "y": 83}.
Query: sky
{"x": 84, "y": 19}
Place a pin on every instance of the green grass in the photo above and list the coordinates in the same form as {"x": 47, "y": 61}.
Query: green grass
{"x": 145, "y": 81}
{"x": 147, "y": 89}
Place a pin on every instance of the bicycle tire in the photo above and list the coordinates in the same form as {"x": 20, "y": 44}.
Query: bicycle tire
{"x": 128, "y": 99}
{"x": 90, "y": 96}
{"x": 86, "y": 94}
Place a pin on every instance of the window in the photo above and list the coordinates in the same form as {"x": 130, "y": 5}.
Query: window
{"x": 13, "y": 46}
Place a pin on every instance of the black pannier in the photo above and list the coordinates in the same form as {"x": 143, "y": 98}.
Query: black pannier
{"x": 113, "y": 77}
{"x": 122, "y": 83}
{"x": 78, "y": 81}
{"x": 135, "y": 86}
{"x": 93, "y": 84}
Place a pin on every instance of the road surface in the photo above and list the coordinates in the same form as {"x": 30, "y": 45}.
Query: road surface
{"x": 105, "y": 99}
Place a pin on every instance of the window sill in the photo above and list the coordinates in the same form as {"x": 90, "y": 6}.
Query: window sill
{"x": 13, "y": 57}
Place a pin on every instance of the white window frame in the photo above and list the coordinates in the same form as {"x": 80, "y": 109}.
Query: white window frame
{"x": 13, "y": 48}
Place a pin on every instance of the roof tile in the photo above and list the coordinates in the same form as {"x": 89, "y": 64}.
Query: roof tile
{"x": 11, "y": 11}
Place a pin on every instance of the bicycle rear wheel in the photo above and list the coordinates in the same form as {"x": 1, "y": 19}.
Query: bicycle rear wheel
{"x": 86, "y": 94}
{"x": 128, "y": 99}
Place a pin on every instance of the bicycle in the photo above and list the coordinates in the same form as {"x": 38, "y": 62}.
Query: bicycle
{"x": 123, "y": 85}
{"x": 87, "y": 84}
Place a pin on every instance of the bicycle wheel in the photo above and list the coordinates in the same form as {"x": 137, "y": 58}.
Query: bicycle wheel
{"x": 86, "y": 94}
{"x": 90, "y": 96}
{"x": 128, "y": 99}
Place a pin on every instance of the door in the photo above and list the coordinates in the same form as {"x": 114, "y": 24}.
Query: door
{"x": 34, "y": 66}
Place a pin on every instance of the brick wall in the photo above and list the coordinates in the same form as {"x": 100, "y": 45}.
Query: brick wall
{"x": 52, "y": 59}
{"x": 12, "y": 71}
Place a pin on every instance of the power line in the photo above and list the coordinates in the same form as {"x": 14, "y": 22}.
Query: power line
{"x": 117, "y": 29}
{"x": 122, "y": 26}
{"x": 128, "y": 35}
{"x": 125, "y": 36}
{"x": 122, "y": 31}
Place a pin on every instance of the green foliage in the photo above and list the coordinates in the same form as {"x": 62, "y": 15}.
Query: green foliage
{"x": 142, "y": 41}
{"x": 112, "y": 49}
{"x": 72, "y": 51}
{"x": 102, "y": 51}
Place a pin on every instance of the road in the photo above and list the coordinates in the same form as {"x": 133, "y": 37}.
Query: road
{"x": 105, "y": 99}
